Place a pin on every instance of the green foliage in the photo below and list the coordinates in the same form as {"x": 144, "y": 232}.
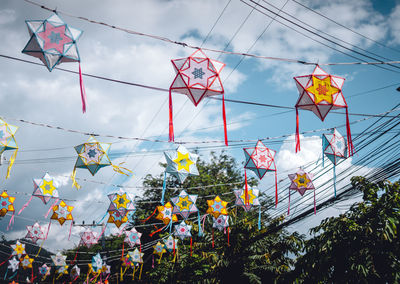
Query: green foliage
{"x": 360, "y": 246}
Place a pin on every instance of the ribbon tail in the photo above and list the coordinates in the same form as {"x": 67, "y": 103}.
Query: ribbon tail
{"x": 40, "y": 248}
{"x": 121, "y": 170}
{"x": 83, "y": 92}
{"x": 259, "y": 217}
{"x": 25, "y": 205}
{"x": 164, "y": 188}
{"x": 349, "y": 140}
{"x": 171, "y": 119}
{"x": 11, "y": 221}
{"x": 297, "y": 138}
{"x": 246, "y": 189}
{"x": 11, "y": 163}
{"x": 224, "y": 119}
{"x": 51, "y": 208}
{"x": 74, "y": 183}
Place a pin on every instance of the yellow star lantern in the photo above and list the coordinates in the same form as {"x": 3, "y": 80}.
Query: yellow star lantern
{"x": 184, "y": 203}
{"x": 217, "y": 207}
{"x": 62, "y": 212}
{"x": 181, "y": 163}
{"x": 26, "y": 262}
{"x": 322, "y": 90}
{"x": 18, "y": 249}
{"x": 117, "y": 218}
{"x": 47, "y": 187}
{"x": 165, "y": 213}
{"x": 6, "y": 203}
{"x": 8, "y": 142}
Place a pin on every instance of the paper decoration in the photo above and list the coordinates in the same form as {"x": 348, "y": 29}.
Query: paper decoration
{"x": 182, "y": 230}
{"x": 13, "y": 264}
{"x": 261, "y": 160}
{"x": 89, "y": 238}
{"x": 301, "y": 181}
{"x": 181, "y": 163}
{"x": 45, "y": 188}
{"x": 121, "y": 201}
{"x": 62, "y": 212}
{"x": 26, "y": 262}
{"x": 62, "y": 270}
{"x": 18, "y": 249}
{"x": 97, "y": 263}
{"x": 137, "y": 257}
{"x": 221, "y": 222}
{"x": 35, "y": 232}
{"x": 44, "y": 271}
{"x": 8, "y": 142}
{"x": 171, "y": 243}
{"x": 217, "y": 207}
{"x": 54, "y": 42}
{"x": 165, "y": 213}
{"x": 75, "y": 272}
{"x": 335, "y": 149}
{"x": 320, "y": 93}
{"x": 132, "y": 237}
{"x": 159, "y": 249}
{"x": 197, "y": 76}
{"x": 185, "y": 204}
{"x": 127, "y": 260}
{"x": 59, "y": 259}
{"x": 117, "y": 218}
{"x": 7, "y": 205}
{"x": 252, "y": 198}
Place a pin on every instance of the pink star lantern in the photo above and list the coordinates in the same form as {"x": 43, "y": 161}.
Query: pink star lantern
{"x": 35, "y": 232}
{"x": 301, "y": 181}
{"x": 132, "y": 237}
{"x": 89, "y": 238}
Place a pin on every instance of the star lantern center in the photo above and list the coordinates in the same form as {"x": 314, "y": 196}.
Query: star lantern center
{"x": 198, "y": 73}
{"x": 302, "y": 181}
{"x": 184, "y": 203}
{"x": 183, "y": 162}
{"x": 322, "y": 90}
{"x": 47, "y": 187}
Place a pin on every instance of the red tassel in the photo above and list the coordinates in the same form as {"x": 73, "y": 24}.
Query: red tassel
{"x": 276, "y": 190}
{"x": 349, "y": 140}
{"x": 83, "y": 92}
{"x": 152, "y": 234}
{"x": 224, "y": 118}
{"x": 123, "y": 247}
{"x": 213, "y": 237}
{"x": 297, "y": 137}
{"x": 246, "y": 189}
{"x": 191, "y": 240}
{"x": 171, "y": 119}
{"x": 145, "y": 220}
{"x": 76, "y": 254}
{"x": 228, "y": 238}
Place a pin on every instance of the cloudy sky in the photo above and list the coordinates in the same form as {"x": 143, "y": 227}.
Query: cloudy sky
{"x": 32, "y": 93}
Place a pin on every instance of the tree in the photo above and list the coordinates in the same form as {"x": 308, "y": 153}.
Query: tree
{"x": 361, "y": 245}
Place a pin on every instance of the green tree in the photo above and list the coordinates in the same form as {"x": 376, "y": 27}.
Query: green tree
{"x": 360, "y": 246}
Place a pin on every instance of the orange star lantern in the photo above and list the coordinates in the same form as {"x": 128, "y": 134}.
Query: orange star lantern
{"x": 217, "y": 207}
{"x": 321, "y": 92}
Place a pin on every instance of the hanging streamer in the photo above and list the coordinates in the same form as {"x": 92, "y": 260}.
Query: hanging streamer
{"x": 51, "y": 207}
{"x": 25, "y": 205}
{"x": 11, "y": 162}
{"x": 246, "y": 189}
{"x": 164, "y": 188}
{"x": 297, "y": 137}
{"x": 349, "y": 140}
{"x": 82, "y": 87}
{"x": 224, "y": 119}
{"x": 259, "y": 217}
{"x": 171, "y": 119}
{"x": 74, "y": 183}
{"x": 199, "y": 223}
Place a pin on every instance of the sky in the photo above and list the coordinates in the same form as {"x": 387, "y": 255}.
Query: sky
{"x": 32, "y": 93}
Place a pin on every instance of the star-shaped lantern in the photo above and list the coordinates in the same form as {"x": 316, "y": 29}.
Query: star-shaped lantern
{"x": 261, "y": 160}
{"x": 13, "y": 264}
{"x": 26, "y": 262}
{"x": 62, "y": 270}
{"x": 117, "y": 218}
{"x": 97, "y": 263}
{"x": 89, "y": 238}
{"x": 45, "y": 188}
{"x": 321, "y": 92}
{"x": 8, "y": 142}
{"x": 217, "y": 207}
{"x": 54, "y": 42}
{"x": 127, "y": 260}
{"x": 159, "y": 249}
{"x": 301, "y": 181}
{"x": 335, "y": 148}
{"x": 75, "y": 272}
{"x": 182, "y": 230}
{"x": 44, "y": 270}
{"x": 132, "y": 237}
{"x": 121, "y": 202}
{"x": 62, "y": 212}
{"x": 197, "y": 76}
{"x": 6, "y": 203}
{"x": 250, "y": 201}
{"x": 59, "y": 259}
{"x": 136, "y": 257}
{"x": 181, "y": 163}
{"x": 171, "y": 243}
{"x": 165, "y": 213}
{"x": 221, "y": 222}
{"x": 185, "y": 204}
{"x": 18, "y": 249}
{"x": 35, "y": 232}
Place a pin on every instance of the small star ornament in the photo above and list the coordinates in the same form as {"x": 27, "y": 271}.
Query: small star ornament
{"x": 13, "y": 264}
{"x": 117, "y": 218}
{"x": 18, "y": 249}
{"x": 26, "y": 262}
{"x": 35, "y": 232}
{"x": 137, "y": 257}
{"x": 217, "y": 207}
{"x": 165, "y": 213}
{"x": 59, "y": 259}
{"x": 320, "y": 93}
{"x": 45, "y": 188}
{"x": 62, "y": 212}
{"x": 221, "y": 222}
{"x": 89, "y": 238}
{"x": 44, "y": 270}
{"x": 122, "y": 202}
{"x": 248, "y": 201}
{"x": 132, "y": 237}
{"x": 197, "y": 76}
{"x": 6, "y": 204}
{"x": 181, "y": 163}
{"x": 185, "y": 204}
{"x": 8, "y": 142}
{"x": 182, "y": 230}
{"x": 300, "y": 182}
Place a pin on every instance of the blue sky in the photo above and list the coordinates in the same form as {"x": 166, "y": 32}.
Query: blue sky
{"x": 32, "y": 93}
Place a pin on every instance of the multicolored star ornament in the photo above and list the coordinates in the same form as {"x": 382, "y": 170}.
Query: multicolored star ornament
{"x": 75, "y": 272}
{"x": 159, "y": 249}
{"x": 6, "y": 203}
{"x": 335, "y": 149}
{"x": 26, "y": 262}
{"x": 62, "y": 212}
{"x": 18, "y": 249}
{"x": 165, "y": 213}
{"x": 97, "y": 263}
{"x": 132, "y": 237}
{"x": 62, "y": 270}
{"x": 197, "y": 76}
{"x": 182, "y": 230}
{"x": 127, "y": 260}
{"x": 261, "y": 160}
{"x": 89, "y": 238}
{"x": 320, "y": 93}
{"x": 121, "y": 201}
{"x": 8, "y": 142}
{"x": 252, "y": 198}
{"x": 171, "y": 243}
{"x": 185, "y": 204}
{"x": 301, "y": 181}
{"x": 117, "y": 218}
{"x": 44, "y": 270}
{"x": 221, "y": 222}
{"x": 136, "y": 257}
{"x": 13, "y": 264}
{"x": 59, "y": 259}
{"x": 181, "y": 163}
{"x": 35, "y": 232}
{"x": 217, "y": 207}
{"x": 45, "y": 188}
